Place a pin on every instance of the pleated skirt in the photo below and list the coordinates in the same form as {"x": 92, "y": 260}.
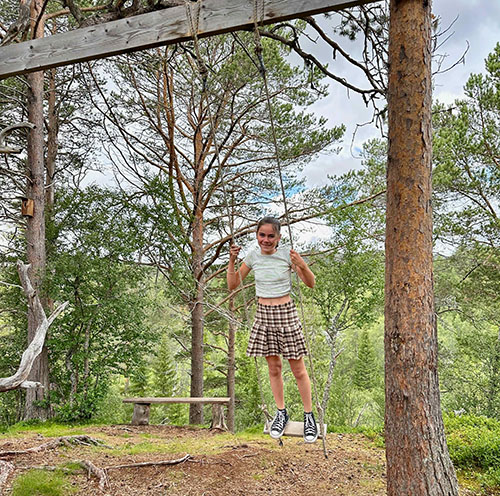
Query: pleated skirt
{"x": 277, "y": 331}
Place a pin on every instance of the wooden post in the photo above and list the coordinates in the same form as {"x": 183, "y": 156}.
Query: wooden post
{"x": 218, "y": 420}
{"x": 141, "y": 414}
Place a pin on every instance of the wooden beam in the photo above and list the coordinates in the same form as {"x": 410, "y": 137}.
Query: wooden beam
{"x": 150, "y": 30}
{"x": 222, "y": 400}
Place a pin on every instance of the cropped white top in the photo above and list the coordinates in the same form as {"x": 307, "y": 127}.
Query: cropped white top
{"x": 272, "y": 272}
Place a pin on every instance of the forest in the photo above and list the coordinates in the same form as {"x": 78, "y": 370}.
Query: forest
{"x": 149, "y": 165}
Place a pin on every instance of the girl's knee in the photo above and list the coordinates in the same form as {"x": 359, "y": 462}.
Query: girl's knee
{"x": 275, "y": 365}
{"x": 299, "y": 369}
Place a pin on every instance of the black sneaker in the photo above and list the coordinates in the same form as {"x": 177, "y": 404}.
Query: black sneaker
{"x": 310, "y": 428}
{"x": 278, "y": 425}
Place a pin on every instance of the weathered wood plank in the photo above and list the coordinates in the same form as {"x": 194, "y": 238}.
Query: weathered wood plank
{"x": 141, "y": 414}
{"x": 150, "y": 30}
{"x": 146, "y": 401}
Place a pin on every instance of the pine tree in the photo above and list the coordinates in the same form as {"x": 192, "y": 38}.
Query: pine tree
{"x": 165, "y": 382}
{"x": 366, "y": 363}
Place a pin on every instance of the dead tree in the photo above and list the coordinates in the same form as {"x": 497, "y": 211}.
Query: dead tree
{"x": 19, "y": 379}
{"x": 9, "y": 149}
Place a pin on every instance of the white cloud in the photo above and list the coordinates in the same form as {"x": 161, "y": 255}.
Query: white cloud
{"x": 478, "y": 24}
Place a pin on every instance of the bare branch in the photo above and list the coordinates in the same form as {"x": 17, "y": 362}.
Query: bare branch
{"x": 7, "y": 149}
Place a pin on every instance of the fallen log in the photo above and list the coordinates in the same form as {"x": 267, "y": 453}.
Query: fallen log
{"x": 150, "y": 464}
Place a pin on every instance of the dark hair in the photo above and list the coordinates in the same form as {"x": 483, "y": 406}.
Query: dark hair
{"x": 270, "y": 220}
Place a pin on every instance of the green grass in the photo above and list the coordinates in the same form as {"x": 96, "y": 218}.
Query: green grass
{"x": 46, "y": 429}
{"x": 42, "y": 483}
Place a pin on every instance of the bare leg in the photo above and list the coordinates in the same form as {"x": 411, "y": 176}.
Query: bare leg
{"x": 303, "y": 383}
{"x": 276, "y": 379}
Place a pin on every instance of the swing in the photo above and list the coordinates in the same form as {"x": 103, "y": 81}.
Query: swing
{"x": 293, "y": 428}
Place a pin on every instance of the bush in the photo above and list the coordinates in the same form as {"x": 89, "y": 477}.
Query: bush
{"x": 473, "y": 441}
{"x": 474, "y": 444}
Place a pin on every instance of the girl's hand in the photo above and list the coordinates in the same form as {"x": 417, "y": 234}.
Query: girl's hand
{"x": 234, "y": 251}
{"x": 297, "y": 260}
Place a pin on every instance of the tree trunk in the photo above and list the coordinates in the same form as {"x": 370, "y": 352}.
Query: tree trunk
{"x": 231, "y": 366}
{"x": 35, "y": 231}
{"x": 418, "y": 462}
{"x": 494, "y": 380}
{"x": 197, "y": 324}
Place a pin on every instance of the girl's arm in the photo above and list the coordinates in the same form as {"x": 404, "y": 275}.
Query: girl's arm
{"x": 302, "y": 269}
{"x": 234, "y": 277}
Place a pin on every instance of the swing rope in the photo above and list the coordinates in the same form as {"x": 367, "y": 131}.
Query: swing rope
{"x": 202, "y": 69}
{"x": 259, "y": 14}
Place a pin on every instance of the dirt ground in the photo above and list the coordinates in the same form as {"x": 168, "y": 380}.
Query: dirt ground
{"x": 220, "y": 464}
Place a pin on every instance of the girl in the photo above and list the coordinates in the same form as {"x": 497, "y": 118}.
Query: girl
{"x": 277, "y": 329}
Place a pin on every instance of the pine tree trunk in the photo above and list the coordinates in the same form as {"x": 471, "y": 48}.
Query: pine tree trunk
{"x": 35, "y": 230}
{"x": 418, "y": 462}
{"x": 197, "y": 325}
{"x": 231, "y": 367}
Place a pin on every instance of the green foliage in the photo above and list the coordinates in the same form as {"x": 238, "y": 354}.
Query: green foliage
{"x": 468, "y": 313}
{"x": 42, "y": 483}
{"x": 466, "y": 150}
{"x": 248, "y": 399}
{"x": 466, "y": 181}
{"x": 474, "y": 444}
{"x": 105, "y": 329}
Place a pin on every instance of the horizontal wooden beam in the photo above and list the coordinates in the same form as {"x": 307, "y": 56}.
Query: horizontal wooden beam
{"x": 150, "y": 30}
{"x": 146, "y": 401}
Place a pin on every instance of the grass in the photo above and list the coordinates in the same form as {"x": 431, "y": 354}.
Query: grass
{"x": 153, "y": 444}
{"x": 42, "y": 483}
{"x": 46, "y": 429}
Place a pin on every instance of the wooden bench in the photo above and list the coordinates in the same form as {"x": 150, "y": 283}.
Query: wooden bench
{"x": 142, "y": 406}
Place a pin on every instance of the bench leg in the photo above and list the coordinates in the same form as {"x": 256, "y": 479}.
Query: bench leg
{"x": 218, "y": 420}
{"x": 141, "y": 414}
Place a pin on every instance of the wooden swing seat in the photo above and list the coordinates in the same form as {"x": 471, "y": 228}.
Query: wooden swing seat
{"x": 292, "y": 429}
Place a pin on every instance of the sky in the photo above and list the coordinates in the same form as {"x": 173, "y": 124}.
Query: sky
{"x": 477, "y": 24}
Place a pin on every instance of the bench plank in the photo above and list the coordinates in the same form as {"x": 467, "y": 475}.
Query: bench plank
{"x": 145, "y": 401}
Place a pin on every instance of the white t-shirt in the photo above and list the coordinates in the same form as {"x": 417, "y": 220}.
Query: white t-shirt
{"x": 273, "y": 273}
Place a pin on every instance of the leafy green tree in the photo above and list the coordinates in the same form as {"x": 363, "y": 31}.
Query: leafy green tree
{"x": 467, "y": 185}
{"x": 105, "y": 332}
{"x": 466, "y": 164}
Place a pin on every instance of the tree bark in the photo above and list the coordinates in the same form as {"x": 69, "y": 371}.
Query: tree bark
{"x": 418, "y": 462}
{"x": 197, "y": 323}
{"x": 231, "y": 366}
{"x": 35, "y": 231}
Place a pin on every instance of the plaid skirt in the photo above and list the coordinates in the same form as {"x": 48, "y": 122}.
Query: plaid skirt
{"x": 277, "y": 331}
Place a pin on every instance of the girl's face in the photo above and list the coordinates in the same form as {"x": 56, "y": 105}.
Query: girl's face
{"x": 268, "y": 239}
